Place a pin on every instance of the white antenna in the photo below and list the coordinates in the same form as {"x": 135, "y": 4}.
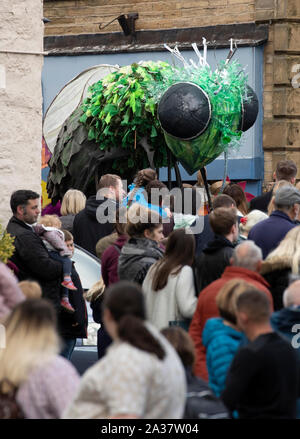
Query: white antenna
{"x": 204, "y": 50}
{"x": 202, "y": 59}
{"x": 231, "y": 51}
{"x": 177, "y": 53}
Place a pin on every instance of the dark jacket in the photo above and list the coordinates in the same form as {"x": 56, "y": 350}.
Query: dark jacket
{"x": 67, "y": 222}
{"x": 168, "y": 226}
{"x": 261, "y": 202}
{"x": 92, "y": 223}
{"x": 136, "y": 257}
{"x": 263, "y": 379}
{"x": 267, "y": 234}
{"x": 211, "y": 263}
{"x": 34, "y": 262}
{"x": 278, "y": 280}
{"x": 203, "y": 237}
{"x": 278, "y": 273}
{"x": 109, "y": 261}
{"x": 74, "y": 325}
{"x": 283, "y": 321}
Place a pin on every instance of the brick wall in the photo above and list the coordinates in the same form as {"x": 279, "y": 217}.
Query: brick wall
{"x": 281, "y": 129}
{"x": 84, "y": 16}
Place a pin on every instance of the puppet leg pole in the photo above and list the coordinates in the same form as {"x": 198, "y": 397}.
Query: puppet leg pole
{"x": 169, "y": 169}
{"x": 225, "y": 169}
{"x": 178, "y": 176}
{"x": 203, "y": 173}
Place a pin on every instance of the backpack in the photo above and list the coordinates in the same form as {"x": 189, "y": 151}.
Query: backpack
{"x": 204, "y": 405}
{"x": 201, "y": 402}
{"x": 9, "y": 407}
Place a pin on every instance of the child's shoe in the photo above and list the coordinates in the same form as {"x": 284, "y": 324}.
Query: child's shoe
{"x": 66, "y": 305}
{"x": 69, "y": 285}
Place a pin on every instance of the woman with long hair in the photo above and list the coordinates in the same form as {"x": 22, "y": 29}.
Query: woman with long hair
{"x": 282, "y": 265}
{"x": 236, "y": 192}
{"x": 169, "y": 285}
{"x": 141, "y": 376}
{"x": 44, "y": 382}
{"x": 145, "y": 230}
{"x": 73, "y": 202}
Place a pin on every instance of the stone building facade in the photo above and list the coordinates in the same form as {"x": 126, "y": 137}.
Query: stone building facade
{"x": 21, "y": 61}
{"x": 275, "y": 24}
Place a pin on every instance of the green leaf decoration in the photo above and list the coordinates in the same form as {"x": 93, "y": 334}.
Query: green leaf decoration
{"x": 91, "y": 134}
{"x": 7, "y": 247}
{"x": 153, "y": 132}
{"x": 105, "y": 131}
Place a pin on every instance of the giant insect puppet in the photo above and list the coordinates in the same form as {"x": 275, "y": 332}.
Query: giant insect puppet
{"x": 150, "y": 114}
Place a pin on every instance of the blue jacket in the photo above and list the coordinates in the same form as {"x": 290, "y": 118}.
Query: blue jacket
{"x": 282, "y": 321}
{"x": 267, "y": 234}
{"x": 221, "y": 343}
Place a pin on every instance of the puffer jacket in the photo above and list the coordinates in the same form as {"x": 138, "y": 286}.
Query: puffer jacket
{"x": 136, "y": 257}
{"x": 221, "y": 342}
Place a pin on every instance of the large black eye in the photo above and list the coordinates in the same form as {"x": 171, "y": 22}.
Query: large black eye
{"x": 249, "y": 110}
{"x": 184, "y": 111}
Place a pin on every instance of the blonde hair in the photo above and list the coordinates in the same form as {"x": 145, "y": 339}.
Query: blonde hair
{"x": 73, "y": 202}
{"x": 254, "y": 217}
{"x": 30, "y": 289}
{"x": 227, "y": 298}
{"x": 31, "y": 341}
{"x": 200, "y": 182}
{"x": 279, "y": 184}
{"x": 288, "y": 251}
{"x": 50, "y": 221}
{"x": 215, "y": 188}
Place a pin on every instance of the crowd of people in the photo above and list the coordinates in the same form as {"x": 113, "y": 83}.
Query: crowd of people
{"x": 198, "y": 310}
